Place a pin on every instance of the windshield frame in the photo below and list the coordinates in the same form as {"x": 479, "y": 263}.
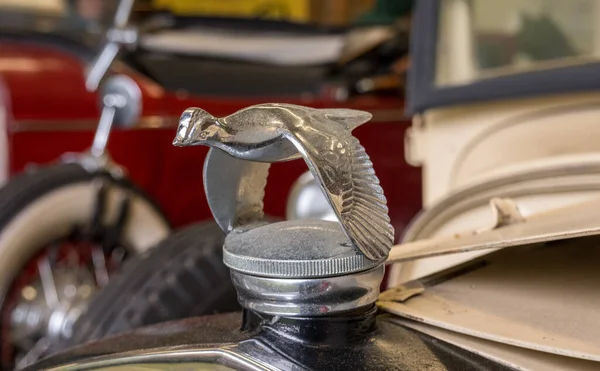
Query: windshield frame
{"x": 424, "y": 94}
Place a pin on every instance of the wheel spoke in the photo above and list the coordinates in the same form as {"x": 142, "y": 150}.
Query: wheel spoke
{"x": 40, "y": 347}
{"x": 100, "y": 270}
{"x": 90, "y": 252}
{"x": 83, "y": 258}
{"x": 113, "y": 232}
{"x": 117, "y": 256}
{"x": 53, "y": 253}
{"x": 48, "y": 284}
{"x": 97, "y": 221}
{"x": 73, "y": 259}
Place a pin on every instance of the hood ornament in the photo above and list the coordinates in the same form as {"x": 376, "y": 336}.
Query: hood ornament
{"x": 267, "y": 133}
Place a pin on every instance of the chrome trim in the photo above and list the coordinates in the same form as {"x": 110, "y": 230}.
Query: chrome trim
{"x": 119, "y": 35}
{"x": 227, "y": 356}
{"x": 103, "y": 130}
{"x": 308, "y": 297}
{"x": 121, "y": 104}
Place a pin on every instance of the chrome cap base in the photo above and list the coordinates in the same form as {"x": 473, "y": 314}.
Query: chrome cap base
{"x": 301, "y": 268}
{"x": 308, "y": 297}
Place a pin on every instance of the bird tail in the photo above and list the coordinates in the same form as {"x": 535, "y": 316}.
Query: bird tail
{"x": 350, "y": 118}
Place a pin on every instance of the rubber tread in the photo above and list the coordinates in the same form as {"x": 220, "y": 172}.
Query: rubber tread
{"x": 182, "y": 276}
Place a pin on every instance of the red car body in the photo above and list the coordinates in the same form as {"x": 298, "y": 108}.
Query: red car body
{"x": 50, "y": 113}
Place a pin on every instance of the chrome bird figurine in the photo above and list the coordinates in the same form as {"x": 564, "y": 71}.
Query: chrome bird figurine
{"x": 280, "y": 132}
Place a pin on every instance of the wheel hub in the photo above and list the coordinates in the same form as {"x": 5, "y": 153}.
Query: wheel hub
{"x": 51, "y": 313}
{"x": 49, "y": 295}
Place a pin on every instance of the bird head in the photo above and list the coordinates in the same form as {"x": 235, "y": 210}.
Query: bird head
{"x": 197, "y": 127}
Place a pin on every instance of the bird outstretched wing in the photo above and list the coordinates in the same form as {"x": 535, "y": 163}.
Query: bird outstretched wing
{"x": 345, "y": 173}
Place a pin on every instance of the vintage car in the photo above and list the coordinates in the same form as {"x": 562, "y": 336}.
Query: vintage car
{"x": 67, "y": 227}
{"x": 499, "y": 270}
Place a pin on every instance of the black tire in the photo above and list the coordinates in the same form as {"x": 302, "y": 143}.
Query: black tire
{"x": 23, "y": 194}
{"x": 183, "y": 276}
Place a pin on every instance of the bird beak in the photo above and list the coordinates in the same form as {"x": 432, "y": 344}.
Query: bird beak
{"x": 178, "y": 141}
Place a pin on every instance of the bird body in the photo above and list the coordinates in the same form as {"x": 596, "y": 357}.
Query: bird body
{"x": 280, "y": 132}
{"x": 246, "y": 132}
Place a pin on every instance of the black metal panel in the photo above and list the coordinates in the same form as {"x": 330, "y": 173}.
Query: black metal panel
{"x": 361, "y": 340}
{"x": 423, "y": 94}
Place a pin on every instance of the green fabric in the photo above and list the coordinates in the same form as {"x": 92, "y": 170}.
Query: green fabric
{"x": 542, "y": 39}
{"x": 386, "y": 12}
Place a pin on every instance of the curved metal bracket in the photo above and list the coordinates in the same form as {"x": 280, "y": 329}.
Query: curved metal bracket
{"x": 234, "y": 189}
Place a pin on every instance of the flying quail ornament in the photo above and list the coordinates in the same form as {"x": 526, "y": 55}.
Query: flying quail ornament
{"x": 279, "y": 132}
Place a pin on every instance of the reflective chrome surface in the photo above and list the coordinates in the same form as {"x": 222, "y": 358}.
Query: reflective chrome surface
{"x": 161, "y": 366}
{"x": 107, "y": 117}
{"x": 269, "y": 133}
{"x": 306, "y": 200}
{"x": 47, "y": 309}
{"x": 308, "y": 297}
{"x": 235, "y": 195}
{"x": 217, "y": 359}
{"x": 123, "y": 93}
{"x": 116, "y": 37}
{"x": 50, "y": 293}
{"x": 294, "y": 268}
{"x": 121, "y": 103}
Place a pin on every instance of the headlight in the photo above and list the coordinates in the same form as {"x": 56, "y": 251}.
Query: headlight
{"x": 306, "y": 200}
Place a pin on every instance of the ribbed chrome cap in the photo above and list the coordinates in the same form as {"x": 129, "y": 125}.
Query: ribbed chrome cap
{"x": 300, "y": 268}
{"x": 308, "y": 297}
{"x": 294, "y": 249}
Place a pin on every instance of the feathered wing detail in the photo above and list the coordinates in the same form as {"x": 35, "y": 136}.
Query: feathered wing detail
{"x": 345, "y": 172}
